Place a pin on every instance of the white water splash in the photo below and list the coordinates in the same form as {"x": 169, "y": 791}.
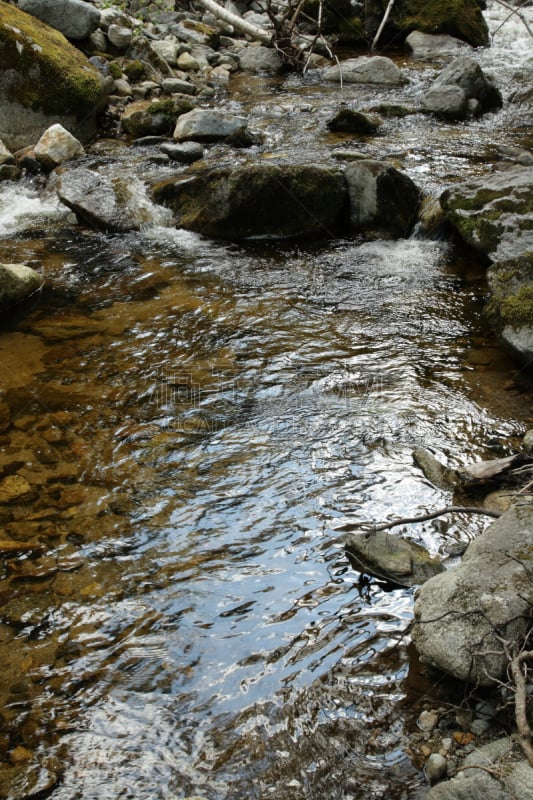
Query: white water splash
{"x": 22, "y": 206}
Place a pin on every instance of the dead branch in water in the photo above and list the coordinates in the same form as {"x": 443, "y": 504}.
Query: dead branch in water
{"x": 349, "y": 526}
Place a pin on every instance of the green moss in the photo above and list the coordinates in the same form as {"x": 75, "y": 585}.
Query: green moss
{"x": 511, "y": 284}
{"x": 517, "y": 310}
{"x": 41, "y": 70}
{"x": 460, "y": 18}
{"x": 135, "y": 70}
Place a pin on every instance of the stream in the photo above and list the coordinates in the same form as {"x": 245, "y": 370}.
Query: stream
{"x": 193, "y": 421}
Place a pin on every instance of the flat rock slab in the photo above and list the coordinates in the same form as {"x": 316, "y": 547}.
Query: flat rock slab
{"x": 459, "y": 613}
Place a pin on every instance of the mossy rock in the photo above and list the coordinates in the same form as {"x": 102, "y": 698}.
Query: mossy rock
{"x": 43, "y": 80}
{"x": 510, "y": 308}
{"x": 259, "y": 201}
{"x": 135, "y": 70}
{"x": 154, "y": 118}
{"x": 493, "y": 213}
{"x": 459, "y": 18}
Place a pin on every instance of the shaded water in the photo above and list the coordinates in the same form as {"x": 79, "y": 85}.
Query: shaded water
{"x": 192, "y": 421}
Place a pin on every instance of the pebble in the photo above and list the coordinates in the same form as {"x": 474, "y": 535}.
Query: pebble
{"x": 428, "y": 720}
{"x": 435, "y": 768}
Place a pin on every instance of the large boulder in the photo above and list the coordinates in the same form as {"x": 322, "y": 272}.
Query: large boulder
{"x": 383, "y": 201}
{"x": 366, "y": 69}
{"x": 462, "y": 615}
{"x": 466, "y": 74}
{"x": 17, "y": 282}
{"x": 460, "y": 18}
{"x": 43, "y": 80}
{"x": 510, "y": 309}
{"x": 74, "y": 18}
{"x": 258, "y": 201}
{"x": 448, "y": 102}
{"x": 493, "y": 213}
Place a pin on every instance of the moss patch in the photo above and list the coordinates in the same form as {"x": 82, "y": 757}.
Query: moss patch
{"x": 41, "y": 70}
{"x": 460, "y": 18}
{"x": 511, "y": 284}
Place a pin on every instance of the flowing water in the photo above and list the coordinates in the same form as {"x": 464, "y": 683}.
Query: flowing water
{"x": 190, "y": 424}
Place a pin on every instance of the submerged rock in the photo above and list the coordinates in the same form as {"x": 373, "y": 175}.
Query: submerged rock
{"x": 258, "y": 201}
{"x": 460, "y": 614}
{"x": 43, "y": 80}
{"x": 366, "y": 69}
{"x": 17, "y": 282}
{"x": 347, "y": 120}
{"x": 392, "y": 558}
{"x": 383, "y": 200}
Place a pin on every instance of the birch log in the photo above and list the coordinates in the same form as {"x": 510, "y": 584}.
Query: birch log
{"x": 238, "y": 22}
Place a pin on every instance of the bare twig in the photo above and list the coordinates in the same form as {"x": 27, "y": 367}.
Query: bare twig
{"x": 524, "y": 731}
{"x": 382, "y": 25}
{"x": 348, "y": 526}
{"x": 514, "y": 11}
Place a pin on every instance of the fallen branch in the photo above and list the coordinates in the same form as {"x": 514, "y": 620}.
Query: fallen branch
{"x": 238, "y": 22}
{"x": 514, "y": 11}
{"x": 382, "y": 24}
{"x": 349, "y": 526}
{"x": 522, "y": 724}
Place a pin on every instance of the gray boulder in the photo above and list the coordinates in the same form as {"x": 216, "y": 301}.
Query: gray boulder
{"x": 383, "y": 201}
{"x": 258, "y": 201}
{"x": 74, "y": 18}
{"x": 206, "y": 125}
{"x": 431, "y": 47}
{"x": 494, "y": 213}
{"x": 104, "y": 201}
{"x": 6, "y": 156}
{"x": 373, "y": 69}
{"x": 257, "y": 58}
{"x": 460, "y": 614}
{"x": 468, "y": 75}
{"x": 185, "y": 153}
{"x": 449, "y": 102}
{"x": 17, "y": 282}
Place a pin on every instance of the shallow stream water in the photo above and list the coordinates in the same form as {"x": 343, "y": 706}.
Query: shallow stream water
{"x": 191, "y": 422}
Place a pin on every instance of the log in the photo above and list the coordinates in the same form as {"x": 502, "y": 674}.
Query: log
{"x": 238, "y": 22}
